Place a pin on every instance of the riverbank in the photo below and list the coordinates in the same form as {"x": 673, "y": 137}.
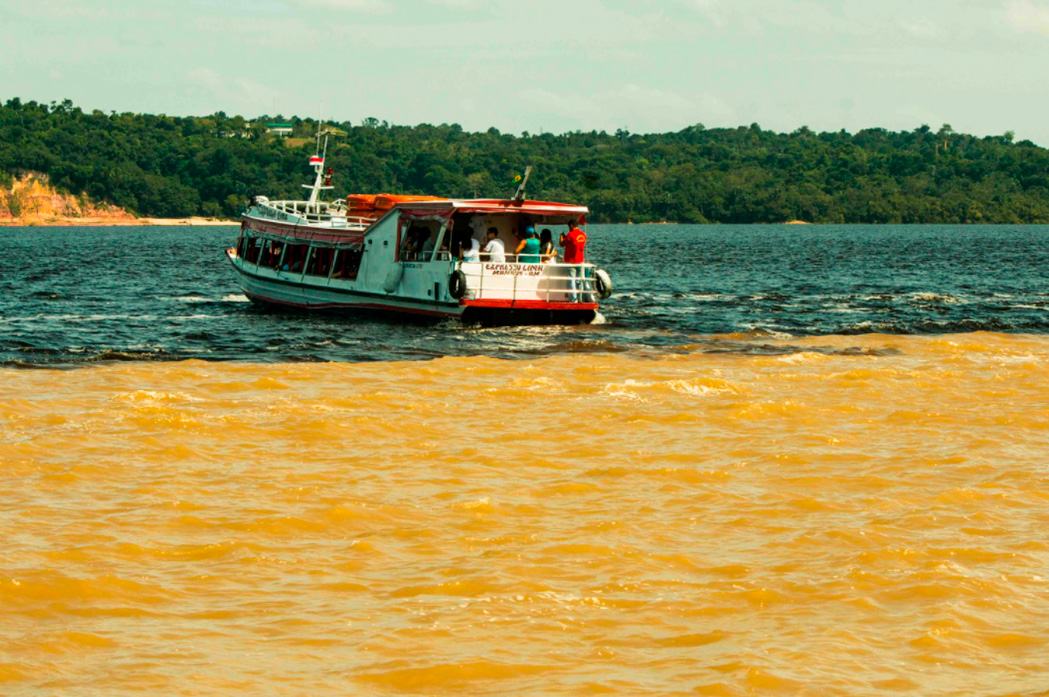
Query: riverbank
{"x": 122, "y": 221}
{"x": 31, "y": 201}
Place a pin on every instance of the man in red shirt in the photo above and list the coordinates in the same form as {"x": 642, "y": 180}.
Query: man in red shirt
{"x": 575, "y": 244}
{"x": 575, "y": 253}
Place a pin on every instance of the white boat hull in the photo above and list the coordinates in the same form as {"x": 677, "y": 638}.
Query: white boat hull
{"x": 277, "y": 288}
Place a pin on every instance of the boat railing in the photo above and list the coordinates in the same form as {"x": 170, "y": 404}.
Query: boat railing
{"x": 444, "y": 255}
{"x": 515, "y": 281}
{"x": 319, "y": 213}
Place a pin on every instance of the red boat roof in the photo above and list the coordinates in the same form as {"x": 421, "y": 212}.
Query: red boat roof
{"x": 376, "y": 205}
{"x": 495, "y": 205}
{"x": 479, "y": 205}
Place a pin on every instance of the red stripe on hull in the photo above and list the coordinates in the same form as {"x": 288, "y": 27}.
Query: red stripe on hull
{"x": 528, "y": 305}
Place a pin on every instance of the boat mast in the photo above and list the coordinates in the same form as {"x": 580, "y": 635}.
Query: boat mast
{"x": 519, "y": 195}
{"x": 317, "y": 162}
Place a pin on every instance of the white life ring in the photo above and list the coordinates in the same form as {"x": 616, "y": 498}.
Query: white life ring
{"x": 602, "y": 283}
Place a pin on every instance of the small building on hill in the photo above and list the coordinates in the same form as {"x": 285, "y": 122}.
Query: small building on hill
{"x": 282, "y": 130}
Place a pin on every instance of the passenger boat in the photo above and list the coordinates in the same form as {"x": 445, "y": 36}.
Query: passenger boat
{"x": 401, "y": 254}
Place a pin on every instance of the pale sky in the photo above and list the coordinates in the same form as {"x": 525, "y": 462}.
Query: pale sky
{"x": 545, "y": 65}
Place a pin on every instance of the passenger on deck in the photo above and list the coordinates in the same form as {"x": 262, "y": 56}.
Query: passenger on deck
{"x": 575, "y": 253}
{"x": 528, "y": 250}
{"x": 575, "y": 244}
{"x": 494, "y": 250}
{"x": 471, "y": 249}
{"x": 410, "y": 245}
{"x": 294, "y": 257}
{"x": 546, "y": 247}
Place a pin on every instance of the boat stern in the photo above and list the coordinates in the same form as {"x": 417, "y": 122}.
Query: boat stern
{"x": 526, "y": 293}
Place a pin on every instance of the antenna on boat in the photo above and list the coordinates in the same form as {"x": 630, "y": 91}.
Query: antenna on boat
{"x": 317, "y": 162}
{"x": 520, "y": 193}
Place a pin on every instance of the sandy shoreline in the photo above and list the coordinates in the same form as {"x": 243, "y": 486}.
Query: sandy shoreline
{"x": 67, "y": 222}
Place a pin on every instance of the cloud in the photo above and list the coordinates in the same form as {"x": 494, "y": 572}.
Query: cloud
{"x": 706, "y": 13}
{"x": 375, "y": 7}
{"x": 205, "y": 77}
{"x": 922, "y": 29}
{"x": 238, "y": 91}
{"x": 461, "y": 4}
{"x": 58, "y": 10}
{"x": 713, "y": 10}
{"x": 1026, "y": 16}
{"x": 636, "y": 107}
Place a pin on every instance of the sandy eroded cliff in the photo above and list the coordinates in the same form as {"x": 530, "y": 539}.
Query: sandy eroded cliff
{"x": 31, "y": 200}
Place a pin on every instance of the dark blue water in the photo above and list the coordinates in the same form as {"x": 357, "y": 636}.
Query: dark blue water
{"x": 74, "y": 295}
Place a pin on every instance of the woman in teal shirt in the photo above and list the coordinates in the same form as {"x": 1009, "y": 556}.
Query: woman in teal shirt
{"x": 528, "y": 250}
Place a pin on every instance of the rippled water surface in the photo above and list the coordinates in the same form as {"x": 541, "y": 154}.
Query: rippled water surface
{"x": 720, "y": 491}
{"x": 69, "y": 295}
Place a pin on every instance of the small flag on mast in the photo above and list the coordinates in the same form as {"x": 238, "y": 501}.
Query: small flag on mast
{"x": 316, "y": 160}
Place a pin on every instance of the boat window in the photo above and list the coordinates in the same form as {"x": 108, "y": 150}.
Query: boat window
{"x": 320, "y": 262}
{"x": 295, "y": 257}
{"x": 347, "y": 263}
{"x": 272, "y": 253}
{"x": 418, "y": 241}
{"x": 251, "y": 250}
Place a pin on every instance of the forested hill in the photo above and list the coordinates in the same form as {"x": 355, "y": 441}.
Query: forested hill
{"x": 181, "y": 166}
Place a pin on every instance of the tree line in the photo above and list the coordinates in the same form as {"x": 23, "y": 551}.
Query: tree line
{"x": 171, "y": 166}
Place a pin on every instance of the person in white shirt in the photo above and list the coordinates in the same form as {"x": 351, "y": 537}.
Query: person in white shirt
{"x": 494, "y": 248}
{"x": 471, "y": 250}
